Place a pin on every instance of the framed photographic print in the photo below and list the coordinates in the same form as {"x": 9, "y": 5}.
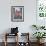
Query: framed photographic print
{"x": 17, "y": 13}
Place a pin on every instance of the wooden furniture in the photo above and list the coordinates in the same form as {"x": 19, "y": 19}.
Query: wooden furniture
{"x": 8, "y": 34}
{"x": 27, "y": 37}
{"x": 27, "y": 43}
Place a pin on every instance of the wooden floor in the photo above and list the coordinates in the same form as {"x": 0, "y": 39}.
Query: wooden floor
{"x": 13, "y": 44}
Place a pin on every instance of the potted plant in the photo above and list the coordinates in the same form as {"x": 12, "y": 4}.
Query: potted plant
{"x": 39, "y": 35}
{"x": 38, "y": 27}
{"x": 42, "y": 27}
{"x": 35, "y": 26}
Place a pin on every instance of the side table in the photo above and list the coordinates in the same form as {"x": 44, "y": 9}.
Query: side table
{"x": 8, "y": 34}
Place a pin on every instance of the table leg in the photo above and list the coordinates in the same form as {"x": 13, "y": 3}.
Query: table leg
{"x": 5, "y": 40}
{"x": 17, "y": 39}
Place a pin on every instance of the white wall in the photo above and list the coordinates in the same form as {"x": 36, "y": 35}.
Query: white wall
{"x": 29, "y": 15}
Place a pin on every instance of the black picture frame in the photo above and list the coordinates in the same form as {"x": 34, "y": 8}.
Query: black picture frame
{"x": 17, "y": 13}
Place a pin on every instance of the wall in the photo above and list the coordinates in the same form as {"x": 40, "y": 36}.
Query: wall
{"x": 29, "y": 15}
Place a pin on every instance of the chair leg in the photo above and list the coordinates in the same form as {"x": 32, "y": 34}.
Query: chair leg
{"x": 17, "y": 39}
{"x": 5, "y": 43}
